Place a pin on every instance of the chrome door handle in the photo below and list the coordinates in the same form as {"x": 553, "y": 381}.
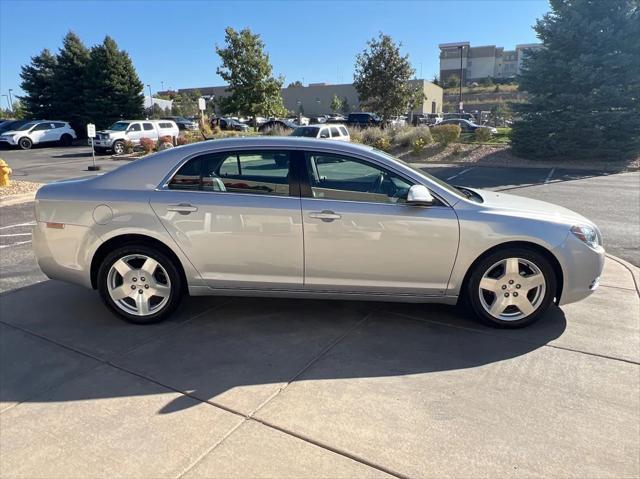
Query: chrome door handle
{"x": 182, "y": 208}
{"x": 325, "y": 215}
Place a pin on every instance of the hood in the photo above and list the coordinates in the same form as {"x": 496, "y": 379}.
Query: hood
{"x": 9, "y": 132}
{"x": 532, "y": 208}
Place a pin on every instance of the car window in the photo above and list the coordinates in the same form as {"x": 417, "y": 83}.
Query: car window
{"x": 308, "y": 131}
{"x": 334, "y": 132}
{"x": 336, "y": 177}
{"x": 166, "y": 125}
{"x": 42, "y": 126}
{"x": 324, "y": 133}
{"x": 147, "y": 126}
{"x": 344, "y": 131}
{"x": 135, "y": 127}
{"x": 58, "y": 125}
{"x": 188, "y": 177}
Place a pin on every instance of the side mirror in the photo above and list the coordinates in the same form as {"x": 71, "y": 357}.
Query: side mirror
{"x": 419, "y": 195}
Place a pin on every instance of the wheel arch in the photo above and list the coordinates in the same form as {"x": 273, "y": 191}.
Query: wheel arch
{"x": 127, "y": 239}
{"x": 555, "y": 264}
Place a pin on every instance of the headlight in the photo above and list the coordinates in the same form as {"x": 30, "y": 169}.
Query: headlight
{"x": 587, "y": 235}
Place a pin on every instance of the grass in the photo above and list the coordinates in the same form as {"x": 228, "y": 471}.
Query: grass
{"x": 482, "y": 89}
{"x": 503, "y": 137}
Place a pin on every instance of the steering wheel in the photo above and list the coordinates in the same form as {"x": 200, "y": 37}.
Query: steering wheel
{"x": 376, "y": 186}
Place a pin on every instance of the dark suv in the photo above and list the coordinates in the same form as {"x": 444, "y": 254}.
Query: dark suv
{"x": 363, "y": 119}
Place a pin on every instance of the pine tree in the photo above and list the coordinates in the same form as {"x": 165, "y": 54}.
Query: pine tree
{"x": 248, "y": 72}
{"x": 113, "y": 89}
{"x": 69, "y": 82}
{"x": 584, "y": 85}
{"x": 37, "y": 84}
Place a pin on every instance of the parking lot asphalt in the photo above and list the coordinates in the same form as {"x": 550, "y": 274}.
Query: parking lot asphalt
{"x": 237, "y": 387}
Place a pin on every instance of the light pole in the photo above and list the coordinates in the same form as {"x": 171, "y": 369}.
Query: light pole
{"x": 460, "y": 106}
{"x": 150, "y": 101}
{"x": 7, "y": 97}
{"x": 162, "y": 85}
{"x": 10, "y": 100}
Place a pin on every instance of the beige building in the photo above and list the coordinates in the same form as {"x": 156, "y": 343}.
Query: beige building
{"x": 482, "y": 62}
{"x": 315, "y": 98}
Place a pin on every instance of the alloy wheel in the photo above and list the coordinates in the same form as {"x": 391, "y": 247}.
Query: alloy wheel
{"x": 139, "y": 285}
{"x": 512, "y": 289}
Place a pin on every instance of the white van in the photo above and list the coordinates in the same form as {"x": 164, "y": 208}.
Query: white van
{"x": 133, "y": 130}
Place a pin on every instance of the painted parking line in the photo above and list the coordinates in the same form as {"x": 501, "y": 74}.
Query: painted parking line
{"x": 15, "y": 234}
{"x": 461, "y": 173}
{"x": 17, "y": 225}
{"x": 3, "y": 246}
{"x": 548, "y": 178}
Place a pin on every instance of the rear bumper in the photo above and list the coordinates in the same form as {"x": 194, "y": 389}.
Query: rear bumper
{"x": 65, "y": 253}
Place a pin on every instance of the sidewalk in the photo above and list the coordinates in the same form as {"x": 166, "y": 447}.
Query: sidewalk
{"x": 281, "y": 388}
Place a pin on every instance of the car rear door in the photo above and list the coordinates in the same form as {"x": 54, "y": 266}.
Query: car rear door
{"x": 360, "y": 235}
{"x": 236, "y": 215}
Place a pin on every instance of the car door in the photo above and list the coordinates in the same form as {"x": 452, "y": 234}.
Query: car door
{"x": 236, "y": 215}
{"x": 134, "y": 133}
{"x": 149, "y": 130}
{"x": 361, "y": 236}
{"x": 38, "y": 133}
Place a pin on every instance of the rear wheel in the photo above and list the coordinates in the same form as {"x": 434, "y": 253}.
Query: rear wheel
{"x": 25, "y": 143}
{"x": 140, "y": 284}
{"x": 511, "y": 288}
{"x": 66, "y": 140}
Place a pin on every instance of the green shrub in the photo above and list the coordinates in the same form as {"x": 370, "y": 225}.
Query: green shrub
{"x": 483, "y": 134}
{"x": 445, "y": 134}
{"x": 370, "y": 136}
{"x": 417, "y": 146}
{"x": 147, "y": 144}
{"x": 382, "y": 143}
{"x": 128, "y": 146}
{"x": 409, "y": 136}
{"x": 164, "y": 142}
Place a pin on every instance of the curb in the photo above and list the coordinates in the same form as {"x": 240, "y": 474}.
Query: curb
{"x": 633, "y": 270}
{"x": 17, "y": 199}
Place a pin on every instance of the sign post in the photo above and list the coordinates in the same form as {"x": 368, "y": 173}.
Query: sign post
{"x": 91, "y": 133}
{"x": 202, "y": 106}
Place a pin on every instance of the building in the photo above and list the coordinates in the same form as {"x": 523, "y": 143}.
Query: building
{"x": 163, "y": 104}
{"x": 482, "y": 62}
{"x": 315, "y": 98}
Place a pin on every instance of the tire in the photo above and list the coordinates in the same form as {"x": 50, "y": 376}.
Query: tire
{"x": 118, "y": 147}
{"x": 25, "y": 143}
{"x": 66, "y": 140}
{"x": 521, "y": 279}
{"x": 126, "y": 288}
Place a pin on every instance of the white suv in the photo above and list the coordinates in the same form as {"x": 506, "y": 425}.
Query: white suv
{"x": 333, "y": 132}
{"x": 40, "y": 131}
{"x": 133, "y": 130}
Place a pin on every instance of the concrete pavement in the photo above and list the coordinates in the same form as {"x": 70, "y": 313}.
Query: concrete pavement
{"x": 281, "y": 388}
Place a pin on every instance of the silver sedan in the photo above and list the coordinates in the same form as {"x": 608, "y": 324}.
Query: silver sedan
{"x": 307, "y": 218}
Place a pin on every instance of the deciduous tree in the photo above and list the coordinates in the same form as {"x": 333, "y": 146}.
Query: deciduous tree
{"x": 382, "y": 77}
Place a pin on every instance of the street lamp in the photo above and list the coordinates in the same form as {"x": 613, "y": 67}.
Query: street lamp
{"x": 162, "y": 85}
{"x": 460, "y": 106}
{"x": 7, "y": 97}
{"x": 150, "y": 100}
{"x": 10, "y": 100}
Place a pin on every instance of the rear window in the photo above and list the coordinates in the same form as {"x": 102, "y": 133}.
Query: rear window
{"x": 344, "y": 131}
{"x": 334, "y": 132}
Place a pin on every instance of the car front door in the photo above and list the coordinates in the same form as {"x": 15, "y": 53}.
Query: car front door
{"x": 134, "y": 133}
{"x": 236, "y": 215}
{"x": 361, "y": 236}
{"x": 39, "y": 132}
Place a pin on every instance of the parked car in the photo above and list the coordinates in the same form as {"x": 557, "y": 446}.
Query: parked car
{"x": 37, "y": 132}
{"x": 396, "y": 121}
{"x": 467, "y": 126}
{"x": 363, "y": 119}
{"x": 114, "y": 137}
{"x": 298, "y": 217}
{"x": 10, "y": 125}
{"x": 462, "y": 116}
{"x": 284, "y": 124}
{"x": 232, "y": 124}
{"x": 317, "y": 119}
{"x": 333, "y": 132}
{"x": 183, "y": 123}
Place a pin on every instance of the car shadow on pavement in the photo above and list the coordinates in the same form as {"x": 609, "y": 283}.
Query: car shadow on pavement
{"x": 236, "y": 352}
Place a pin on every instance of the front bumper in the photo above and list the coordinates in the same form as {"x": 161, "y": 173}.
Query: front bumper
{"x": 581, "y": 267}
{"x": 8, "y": 140}
{"x": 98, "y": 143}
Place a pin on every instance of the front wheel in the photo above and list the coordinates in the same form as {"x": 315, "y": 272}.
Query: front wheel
{"x": 118, "y": 147}
{"x": 511, "y": 288}
{"x": 141, "y": 284}
{"x": 25, "y": 143}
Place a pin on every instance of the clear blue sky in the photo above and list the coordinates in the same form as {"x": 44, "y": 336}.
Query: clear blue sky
{"x": 173, "y": 41}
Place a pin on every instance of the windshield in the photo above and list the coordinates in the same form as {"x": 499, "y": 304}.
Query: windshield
{"x": 27, "y": 126}
{"x": 119, "y": 126}
{"x": 307, "y": 131}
